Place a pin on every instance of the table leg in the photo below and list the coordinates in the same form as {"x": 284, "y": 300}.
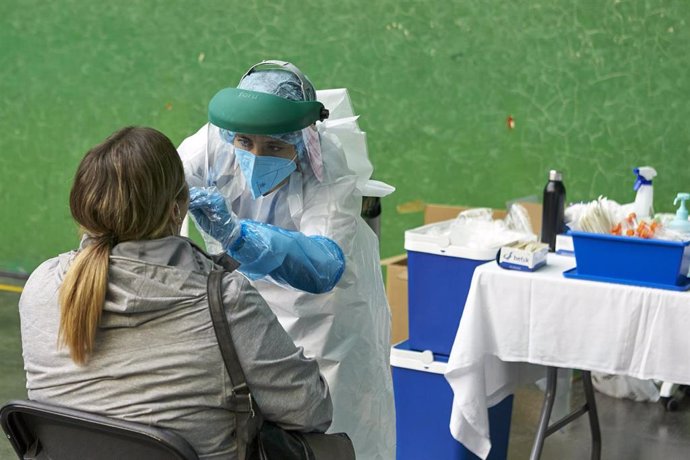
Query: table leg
{"x": 590, "y": 406}
{"x": 549, "y": 398}
{"x": 593, "y": 416}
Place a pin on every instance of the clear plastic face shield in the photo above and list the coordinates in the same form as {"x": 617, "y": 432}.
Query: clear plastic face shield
{"x": 270, "y": 110}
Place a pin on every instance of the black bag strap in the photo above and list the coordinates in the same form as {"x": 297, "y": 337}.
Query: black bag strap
{"x": 222, "y": 329}
{"x": 248, "y": 417}
{"x": 225, "y": 261}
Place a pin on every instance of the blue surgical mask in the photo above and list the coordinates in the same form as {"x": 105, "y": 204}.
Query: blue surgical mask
{"x": 263, "y": 173}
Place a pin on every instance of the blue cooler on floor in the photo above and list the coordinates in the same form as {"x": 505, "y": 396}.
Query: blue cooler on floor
{"x": 423, "y": 401}
{"x": 439, "y": 277}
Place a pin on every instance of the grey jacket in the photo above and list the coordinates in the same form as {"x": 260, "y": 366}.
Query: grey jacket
{"x": 156, "y": 359}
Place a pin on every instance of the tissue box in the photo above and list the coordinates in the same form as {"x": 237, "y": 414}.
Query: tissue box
{"x": 523, "y": 255}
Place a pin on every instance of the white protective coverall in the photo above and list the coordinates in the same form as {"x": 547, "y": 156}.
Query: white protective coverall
{"x": 347, "y": 329}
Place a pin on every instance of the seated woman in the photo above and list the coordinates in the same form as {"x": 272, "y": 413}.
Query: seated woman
{"x": 121, "y": 327}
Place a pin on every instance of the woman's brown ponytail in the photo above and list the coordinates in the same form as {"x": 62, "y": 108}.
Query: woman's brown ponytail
{"x": 127, "y": 188}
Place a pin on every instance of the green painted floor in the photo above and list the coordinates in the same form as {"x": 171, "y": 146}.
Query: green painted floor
{"x": 11, "y": 367}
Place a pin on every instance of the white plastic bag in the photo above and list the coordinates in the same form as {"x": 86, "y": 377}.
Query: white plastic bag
{"x": 518, "y": 219}
{"x": 475, "y": 228}
{"x": 623, "y": 386}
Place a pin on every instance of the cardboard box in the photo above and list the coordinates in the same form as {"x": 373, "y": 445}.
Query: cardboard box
{"x": 396, "y": 266}
{"x": 396, "y": 291}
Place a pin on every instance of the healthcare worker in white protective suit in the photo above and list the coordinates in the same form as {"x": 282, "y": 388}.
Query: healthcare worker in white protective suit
{"x": 272, "y": 188}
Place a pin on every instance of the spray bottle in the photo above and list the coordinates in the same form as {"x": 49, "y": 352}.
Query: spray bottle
{"x": 644, "y": 200}
{"x": 681, "y": 223}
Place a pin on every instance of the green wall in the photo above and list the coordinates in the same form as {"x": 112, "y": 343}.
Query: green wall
{"x": 595, "y": 87}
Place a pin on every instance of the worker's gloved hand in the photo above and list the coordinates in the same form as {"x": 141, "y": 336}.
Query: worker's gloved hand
{"x": 211, "y": 212}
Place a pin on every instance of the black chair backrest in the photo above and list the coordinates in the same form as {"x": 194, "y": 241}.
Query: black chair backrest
{"x": 40, "y": 431}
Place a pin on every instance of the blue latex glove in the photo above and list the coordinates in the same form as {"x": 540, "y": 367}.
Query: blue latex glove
{"x": 211, "y": 213}
{"x": 310, "y": 263}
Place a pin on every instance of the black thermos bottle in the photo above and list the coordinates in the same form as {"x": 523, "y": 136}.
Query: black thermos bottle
{"x": 552, "y": 213}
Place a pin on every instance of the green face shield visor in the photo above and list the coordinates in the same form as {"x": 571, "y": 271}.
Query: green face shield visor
{"x": 251, "y": 112}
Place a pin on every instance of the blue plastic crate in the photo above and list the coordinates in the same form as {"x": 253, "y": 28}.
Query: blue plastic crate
{"x": 631, "y": 260}
{"x": 423, "y": 402}
{"x": 439, "y": 278}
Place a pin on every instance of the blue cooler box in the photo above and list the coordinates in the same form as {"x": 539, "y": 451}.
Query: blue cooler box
{"x": 423, "y": 401}
{"x": 439, "y": 277}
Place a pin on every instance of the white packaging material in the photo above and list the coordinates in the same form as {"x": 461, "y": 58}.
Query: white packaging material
{"x": 598, "y": 216}
{"x": 518, "y": 219}
{"x": 435, "y": 239}
{"x": 475, "y": 228}
{"x": 472, "y": 235}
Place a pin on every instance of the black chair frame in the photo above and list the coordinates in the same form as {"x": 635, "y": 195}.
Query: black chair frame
{"x": 43, "y": 431}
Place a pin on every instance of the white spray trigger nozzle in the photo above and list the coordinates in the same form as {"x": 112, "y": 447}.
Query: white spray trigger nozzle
{"x": 645, "y": 174}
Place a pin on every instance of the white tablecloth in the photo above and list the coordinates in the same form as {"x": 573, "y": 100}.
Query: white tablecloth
{"x": 512, "y": 318}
